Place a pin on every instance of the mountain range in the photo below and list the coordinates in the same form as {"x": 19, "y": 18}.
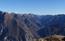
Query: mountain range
{"x": 26, "y": 27}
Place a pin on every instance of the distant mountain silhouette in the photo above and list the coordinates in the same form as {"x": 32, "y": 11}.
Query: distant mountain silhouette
{"x": 26, "y": 27}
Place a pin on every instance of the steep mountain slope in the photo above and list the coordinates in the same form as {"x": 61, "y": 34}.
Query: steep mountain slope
{"x": 53, "y": 25}
{"x": 26, "y": 27}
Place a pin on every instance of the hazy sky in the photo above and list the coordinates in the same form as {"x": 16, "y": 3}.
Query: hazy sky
{"x": 41, "y": 7}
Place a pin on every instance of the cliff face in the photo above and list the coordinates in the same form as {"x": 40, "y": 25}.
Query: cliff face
{"x": 13, "y": 28}
{"x": 27, "y": 27}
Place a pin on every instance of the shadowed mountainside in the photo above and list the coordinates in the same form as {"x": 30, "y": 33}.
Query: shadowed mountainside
{"x": 26, "y": 27}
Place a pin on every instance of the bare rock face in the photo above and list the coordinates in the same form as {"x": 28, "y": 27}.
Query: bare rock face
{"x": 13, "y": 28}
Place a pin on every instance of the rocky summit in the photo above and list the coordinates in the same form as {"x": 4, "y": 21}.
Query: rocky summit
{"x": 27, "y": 27}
